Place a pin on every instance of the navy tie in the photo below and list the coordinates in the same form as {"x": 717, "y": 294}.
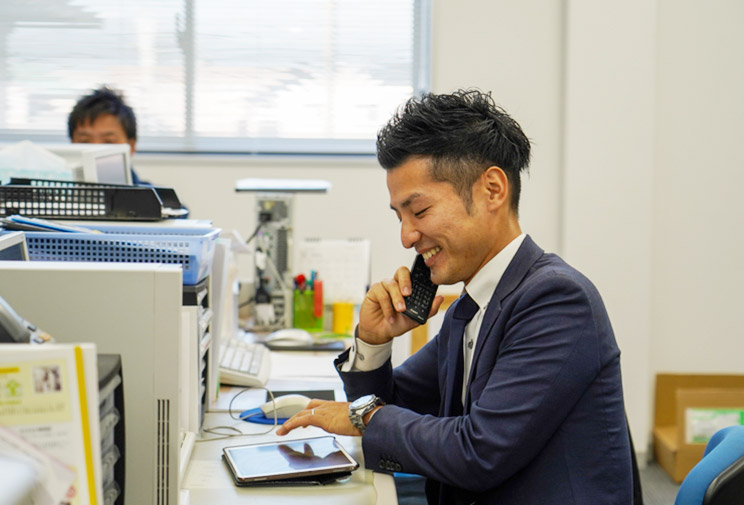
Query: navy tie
{"x": 464, "y": 312}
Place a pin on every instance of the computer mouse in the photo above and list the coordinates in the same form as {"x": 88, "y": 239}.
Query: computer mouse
{"x": 289, "y": 337}
{"x": 285, "y": 406}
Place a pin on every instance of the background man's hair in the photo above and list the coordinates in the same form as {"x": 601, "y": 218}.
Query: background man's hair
{"x": 463, "y": 133}
{"x": 100, "y": 102}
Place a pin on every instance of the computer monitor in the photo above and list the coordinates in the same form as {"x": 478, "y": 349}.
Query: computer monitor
{"x": 13, "y": 246}
{"x": 105, "y": 163}
{"x": 109, "y": 166}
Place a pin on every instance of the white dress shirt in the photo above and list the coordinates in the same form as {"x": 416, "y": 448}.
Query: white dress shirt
{"x": 364, "y": 357}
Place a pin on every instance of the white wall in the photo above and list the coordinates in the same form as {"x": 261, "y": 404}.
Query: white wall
{"x": 698, "y": 205}
{"x": 653, "y": 115}
{"x": 514, "y": 50}
{"x": 608, "y": 174}
{"x": 635, "y": 113}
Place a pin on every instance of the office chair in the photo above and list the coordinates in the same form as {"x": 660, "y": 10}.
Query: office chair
{"x": 718, "y": 479}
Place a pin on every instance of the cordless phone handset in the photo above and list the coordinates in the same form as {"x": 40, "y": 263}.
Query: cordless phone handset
{"x": 418, "y": 304}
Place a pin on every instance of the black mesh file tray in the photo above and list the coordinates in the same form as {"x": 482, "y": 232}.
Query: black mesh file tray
{"x": 80, "y": 200}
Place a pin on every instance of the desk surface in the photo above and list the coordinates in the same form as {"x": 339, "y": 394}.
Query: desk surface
{"x": 207, "y": 481}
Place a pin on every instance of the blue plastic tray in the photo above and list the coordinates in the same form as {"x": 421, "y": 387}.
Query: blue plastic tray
{"x": 192, "y": 248}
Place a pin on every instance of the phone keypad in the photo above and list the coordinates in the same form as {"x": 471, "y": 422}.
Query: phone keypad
{"x": 423, "y": 291}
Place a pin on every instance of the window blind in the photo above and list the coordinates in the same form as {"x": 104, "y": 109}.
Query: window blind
{"x": 286, "y": 76}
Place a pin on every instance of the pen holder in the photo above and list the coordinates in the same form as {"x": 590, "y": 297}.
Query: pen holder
{"x": 303, "y": 311}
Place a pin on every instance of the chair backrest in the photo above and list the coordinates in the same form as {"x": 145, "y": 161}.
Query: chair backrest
{"x": 728, "y": 487}
{"x": 718, "y": 479}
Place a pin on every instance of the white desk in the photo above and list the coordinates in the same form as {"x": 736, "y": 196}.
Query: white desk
{"x": 207, "y": 481}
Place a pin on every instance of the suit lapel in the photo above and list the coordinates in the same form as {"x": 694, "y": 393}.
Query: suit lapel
{"x": 526, "y": 256}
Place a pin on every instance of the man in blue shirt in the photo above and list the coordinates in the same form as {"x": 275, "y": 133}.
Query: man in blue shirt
{"x": 102, "y": 117}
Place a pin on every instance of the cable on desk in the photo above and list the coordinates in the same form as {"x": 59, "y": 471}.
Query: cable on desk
{"x": 234, "y": 431}
{"x": 247, "y": 302}
{"x": 255, "y": 232}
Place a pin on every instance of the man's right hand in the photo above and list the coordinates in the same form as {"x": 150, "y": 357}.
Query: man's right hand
{"x": 381, "y": 316}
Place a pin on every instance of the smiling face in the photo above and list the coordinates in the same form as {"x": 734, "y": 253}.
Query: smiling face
{"x": 435, "y": 221}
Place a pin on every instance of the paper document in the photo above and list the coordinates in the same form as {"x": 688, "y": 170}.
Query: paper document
{"x": 53, "y": 479}
{"x": 49, "y": 397}
{"x": 342, "y": 264}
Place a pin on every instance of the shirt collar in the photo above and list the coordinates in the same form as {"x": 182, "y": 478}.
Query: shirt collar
{"x": 484, "y": 282}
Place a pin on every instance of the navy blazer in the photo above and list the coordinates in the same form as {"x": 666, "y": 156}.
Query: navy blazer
{"x": 544, "y": 419}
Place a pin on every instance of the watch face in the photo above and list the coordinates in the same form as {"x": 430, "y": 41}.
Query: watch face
{"x": 362, "y": 401}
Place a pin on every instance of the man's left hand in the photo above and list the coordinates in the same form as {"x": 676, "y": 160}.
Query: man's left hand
{"x": 332, "y": 417}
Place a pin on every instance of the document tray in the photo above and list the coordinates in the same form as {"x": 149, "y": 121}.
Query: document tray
{"x": 80, "y": 200}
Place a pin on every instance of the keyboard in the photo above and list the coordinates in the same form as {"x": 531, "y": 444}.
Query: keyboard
{"x": 243, "y": 363}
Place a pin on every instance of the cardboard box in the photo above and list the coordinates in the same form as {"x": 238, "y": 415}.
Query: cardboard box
{"x": 689, "y": 408}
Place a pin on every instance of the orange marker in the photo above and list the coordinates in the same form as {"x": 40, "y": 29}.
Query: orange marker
{"x": 318, "y": 299}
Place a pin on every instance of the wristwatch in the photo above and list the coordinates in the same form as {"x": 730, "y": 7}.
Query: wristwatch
{"x": 361, "y": 407}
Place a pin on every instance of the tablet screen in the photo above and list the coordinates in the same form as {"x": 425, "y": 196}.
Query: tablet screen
{"x": 286, "y": 460}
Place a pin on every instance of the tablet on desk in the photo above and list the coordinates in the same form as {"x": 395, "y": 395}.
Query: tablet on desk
{"x": 319, "y": 460}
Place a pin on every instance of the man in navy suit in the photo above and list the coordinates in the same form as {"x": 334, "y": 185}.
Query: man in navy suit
{"x": 524, "y": 406}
